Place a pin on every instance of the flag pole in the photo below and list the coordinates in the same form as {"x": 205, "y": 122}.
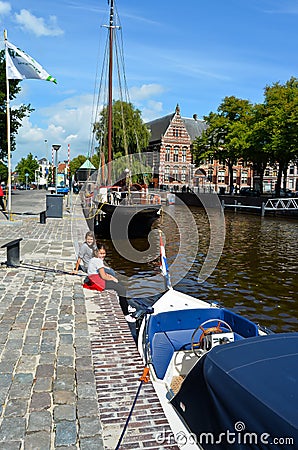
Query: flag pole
{"x": 8, "y": 133}
{"x": 163, "y": 263}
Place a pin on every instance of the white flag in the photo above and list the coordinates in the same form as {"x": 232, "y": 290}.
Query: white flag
{"x": 21, "y": 66}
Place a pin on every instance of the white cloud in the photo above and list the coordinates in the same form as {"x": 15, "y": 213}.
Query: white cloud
{"x": 37, "y": 25}
{"x": 151, "y": 110}
{"x": 145, "y": 91}
{"x": 5, "y": 8}
{"x": 67, "y": 122}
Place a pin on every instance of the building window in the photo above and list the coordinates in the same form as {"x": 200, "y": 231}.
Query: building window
{"x": 184, "y": 154}
{"x": 176, "y": 154}
{"x": 291, "y": 183}
{"x": 210, "y": 174}
{"x": 267, "y": 172}
{"x": 235, "y": 176}
{"x": 221, "y": 176}
{"x": 292, "y": 170}
{"x": 244, "y": 177}
{"x": 175, "y": 173}
{"x": 168, "y": 150}
{"x": 167, "y": 173}
{"x": 183, "y": 174}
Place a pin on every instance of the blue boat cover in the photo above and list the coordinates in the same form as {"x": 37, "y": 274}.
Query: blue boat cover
{"x": 244, "y": 395}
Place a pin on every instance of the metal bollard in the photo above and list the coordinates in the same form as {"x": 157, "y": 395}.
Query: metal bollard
{"x": 43, "y": 217}
{"x": 13, "y": 253}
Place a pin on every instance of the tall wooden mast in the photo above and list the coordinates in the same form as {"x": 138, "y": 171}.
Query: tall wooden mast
{"x": 110, "y": 95}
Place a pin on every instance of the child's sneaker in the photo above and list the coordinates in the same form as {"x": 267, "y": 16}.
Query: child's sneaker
{"x": 131, "y": 309}
{"x": 130, "y": 319}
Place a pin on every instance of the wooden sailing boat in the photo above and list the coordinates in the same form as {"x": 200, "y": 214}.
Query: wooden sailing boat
{"x": 120, "y": 212}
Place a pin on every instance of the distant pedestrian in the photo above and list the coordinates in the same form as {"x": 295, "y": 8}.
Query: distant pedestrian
{"x": 1, "y": 198}
{"x": 100, "y": 279}
{"x": 85, "y": 253}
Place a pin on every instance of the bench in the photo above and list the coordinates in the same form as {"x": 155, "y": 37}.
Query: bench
{"x": 13, "y": 252}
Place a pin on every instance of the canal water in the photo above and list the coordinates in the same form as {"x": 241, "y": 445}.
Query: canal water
{"x": 253, "y": 269}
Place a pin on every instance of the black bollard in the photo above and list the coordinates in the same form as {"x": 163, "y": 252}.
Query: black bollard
{"x": 43, "y": 217}
{"x": 13, "y": 253}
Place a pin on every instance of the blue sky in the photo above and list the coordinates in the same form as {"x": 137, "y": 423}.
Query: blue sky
{"x": 193, "y": 53}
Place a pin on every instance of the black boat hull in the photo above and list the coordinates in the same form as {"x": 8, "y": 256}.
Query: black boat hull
{"x": 122, "y": 221}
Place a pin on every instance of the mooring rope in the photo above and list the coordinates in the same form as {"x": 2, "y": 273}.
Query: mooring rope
{"x": 144, "y": 379}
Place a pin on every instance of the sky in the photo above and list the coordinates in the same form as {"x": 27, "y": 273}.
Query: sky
{"x": 191, "y": 53}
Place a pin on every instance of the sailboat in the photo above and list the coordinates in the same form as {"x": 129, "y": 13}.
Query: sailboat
{"x": 117, "y": 210}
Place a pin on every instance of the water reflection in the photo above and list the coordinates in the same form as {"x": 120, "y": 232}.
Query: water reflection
{"x": 256, "y": 274}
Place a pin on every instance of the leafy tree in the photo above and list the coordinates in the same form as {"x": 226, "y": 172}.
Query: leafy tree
{"x": 224, "y": 138}
{"x": 16, "y": 115}
{"x": 3, "y": 172}
{"x": 95, "y": 160}
{"x": 76, "y": 163}
{"x": 27, "y": 165}
{"x": 129, "y": 134}
{"x": 257, "y": 137}
{"x": 281, "y": 102}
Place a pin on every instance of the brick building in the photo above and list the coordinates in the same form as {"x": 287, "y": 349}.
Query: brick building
{"x": 170, "y": 157}
{"x": 170, "y": 149}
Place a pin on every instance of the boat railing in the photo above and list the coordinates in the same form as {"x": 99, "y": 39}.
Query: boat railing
{"x": 128, "y": 198}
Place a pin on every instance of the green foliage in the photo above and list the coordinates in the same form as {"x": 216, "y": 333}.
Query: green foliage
{"x": 76, "y": 163}
{"x": 281, "y": 102}
{"x": 129, "y": 134}
{"x": 224, "y": 138}
{"x": 261, "y": 134}
{"x": 27, "y": 165}
{"x": 16, "y": 115}
{"x": 3, "y": 172}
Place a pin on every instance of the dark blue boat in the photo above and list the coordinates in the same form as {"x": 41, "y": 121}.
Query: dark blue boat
{"x": 244, "y": 395}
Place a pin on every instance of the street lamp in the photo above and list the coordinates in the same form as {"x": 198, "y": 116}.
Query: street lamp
{"x": 26, "y": 176}
{"x": 56, "y": 148}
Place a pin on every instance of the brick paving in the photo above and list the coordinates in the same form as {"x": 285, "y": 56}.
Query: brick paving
{"x": 117, "y": 369}
{"x": 69, "y": 368}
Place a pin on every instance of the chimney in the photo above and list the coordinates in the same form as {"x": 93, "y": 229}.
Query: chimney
{"x": 195, "y": 117}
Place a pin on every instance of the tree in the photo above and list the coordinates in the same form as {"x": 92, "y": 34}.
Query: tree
{"x": 76, "y": 163}
{"x": 129, "y": 135}
{"x": 16, "y": 115}
{"x": 257, "y": 137}
{"x": 224, "y": 138}
{"x": 27, "y": 165}
{"x": 281, "y": 102}
{"x": 3, "y": 172}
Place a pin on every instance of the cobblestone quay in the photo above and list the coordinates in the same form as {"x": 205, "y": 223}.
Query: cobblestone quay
{"x": 69, "y": 368}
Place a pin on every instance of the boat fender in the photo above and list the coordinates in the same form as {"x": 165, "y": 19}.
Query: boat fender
{"x": 145, "y": 376}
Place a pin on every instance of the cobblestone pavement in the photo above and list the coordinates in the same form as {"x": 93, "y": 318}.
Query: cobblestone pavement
{"x": 69, "y": 367}
{"x": 47, "y": 389}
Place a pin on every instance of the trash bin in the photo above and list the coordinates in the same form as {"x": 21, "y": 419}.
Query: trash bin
{"x": 43, "y": 217}
{"x": 54, "y": 205}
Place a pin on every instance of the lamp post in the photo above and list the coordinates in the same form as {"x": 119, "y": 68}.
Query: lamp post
{"x": 26, "y": 176}
{"x": 56, "y": 148}
{"x": 47, "y": 163}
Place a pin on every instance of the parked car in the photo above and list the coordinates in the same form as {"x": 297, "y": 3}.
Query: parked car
{"x": 284, "y": 193}
{"x": 249, "y": 192}
{"x": 62, "y": 190}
